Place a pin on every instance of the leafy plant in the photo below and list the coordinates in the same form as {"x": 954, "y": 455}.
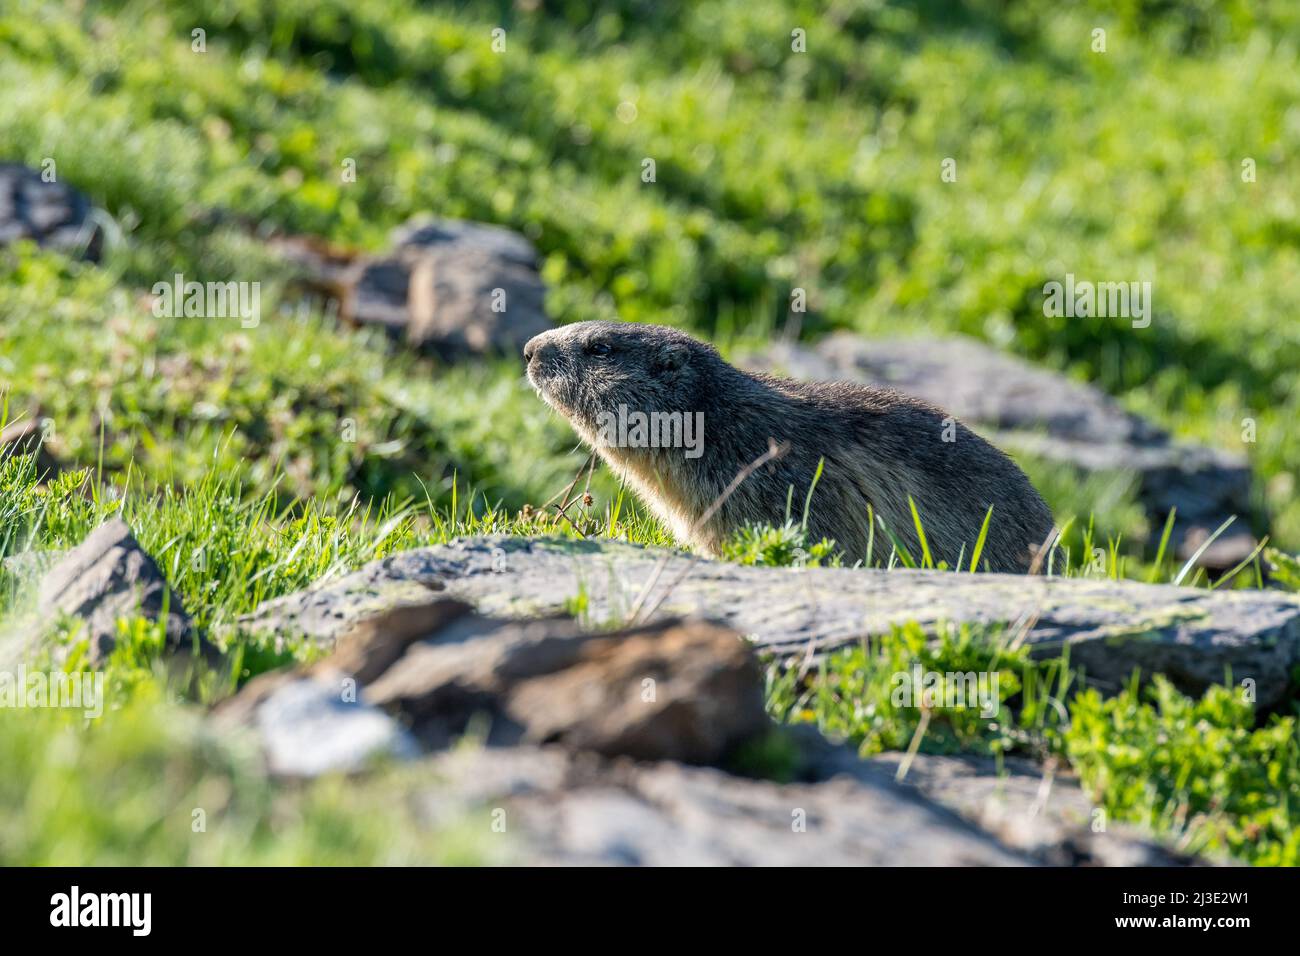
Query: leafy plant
{"x": 1199, "y": 769}
{"x": 783, "y": 547}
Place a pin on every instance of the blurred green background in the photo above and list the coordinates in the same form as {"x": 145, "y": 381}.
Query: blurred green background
{"x": 775, "y": 170}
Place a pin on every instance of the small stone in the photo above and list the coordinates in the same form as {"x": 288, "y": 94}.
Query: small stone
{"x": 688, "y": 691}
{"x": 109, "y": 576}
{"x": 320, "y": 724}
{"x": 377, "y": 642}
{"x": 51, "y": 214}
{"x": 685, "y": 691}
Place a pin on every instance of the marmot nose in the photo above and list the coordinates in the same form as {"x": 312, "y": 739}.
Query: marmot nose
{"x": 533, "y": 346}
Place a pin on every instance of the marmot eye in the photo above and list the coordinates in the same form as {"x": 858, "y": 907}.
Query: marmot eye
{"x": 597, "y": 348}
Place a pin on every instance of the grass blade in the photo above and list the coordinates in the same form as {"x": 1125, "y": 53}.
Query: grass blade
{"x": 903, "y": 554}
{"x": 926, "y": 560}
{"x": 807, "y": 503}
{"x": 1205, "y": 545}
{"x": 979, "y": 542}
{"x": 1164, "y": 543}
{"x": 1235, "y": 571}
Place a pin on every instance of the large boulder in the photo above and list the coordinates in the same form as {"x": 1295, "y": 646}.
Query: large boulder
{"x": 1194, "y": 636}
{"x": 51, "y": 214}
{"x": 1024, "y": 408}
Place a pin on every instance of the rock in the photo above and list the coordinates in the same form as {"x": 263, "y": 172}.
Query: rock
{"x": 425, "y": 234}
{"x": 319, "y": 724}
{"x": 27, "y": 438}
{"x": 449, "y": 287}
{"x": 589, "y": 735}
{"x": 674, "y": 690}
{"x": 1036, "y": 411}
{"x": 1112, "y": 627}
{"x": 376, "y": 643}
{"x": 1027, "y": 809}
{"x": 52, "y": 214}
{"x": 322, "y": 265}
{"x": 579, "y": 809}
{"x": 689, "y": 691}
{"x": 109, "y": 576}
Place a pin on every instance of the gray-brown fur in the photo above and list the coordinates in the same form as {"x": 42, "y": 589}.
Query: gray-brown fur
{"x": 879, "y": 447}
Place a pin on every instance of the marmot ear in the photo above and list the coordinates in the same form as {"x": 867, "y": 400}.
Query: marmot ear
{"x": 672, "y": 356}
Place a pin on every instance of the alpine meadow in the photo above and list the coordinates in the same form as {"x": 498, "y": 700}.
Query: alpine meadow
{"x": 354, "y": 472}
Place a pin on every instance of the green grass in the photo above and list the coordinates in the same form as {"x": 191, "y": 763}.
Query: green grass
{"x": 1207, "y": 770}
{"x": 252, "y": 462}
{"x": 251, "y": 553}
{"x": 1208, "y": 774}
{"x": 146, "y": 785}
{"x": 851, "y": 695}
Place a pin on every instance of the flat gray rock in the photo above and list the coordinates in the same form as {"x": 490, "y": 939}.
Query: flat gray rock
{"x": 1027, "y": 808}
{"x": 1024, "y": 408}
{"x": 577, "y": 809}
{"x": 1112, "y": 627}
{"x": 425, "y": 234}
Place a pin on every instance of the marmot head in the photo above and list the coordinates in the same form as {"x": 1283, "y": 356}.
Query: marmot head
{"x": 592, "y": 368}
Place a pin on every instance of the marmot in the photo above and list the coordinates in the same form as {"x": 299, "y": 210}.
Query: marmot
{"x": 630, "y": 390}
